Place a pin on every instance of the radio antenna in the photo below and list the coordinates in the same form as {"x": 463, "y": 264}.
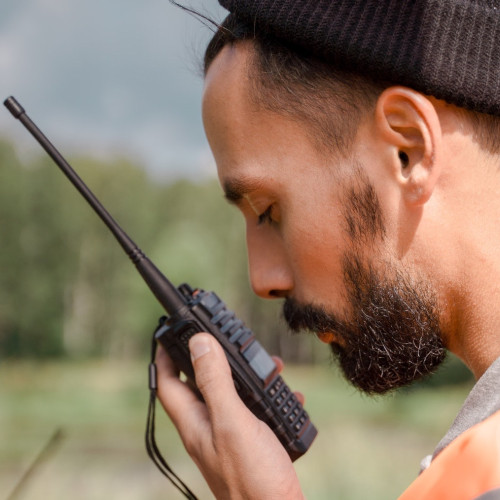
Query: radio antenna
{"x": 162, "y": 288}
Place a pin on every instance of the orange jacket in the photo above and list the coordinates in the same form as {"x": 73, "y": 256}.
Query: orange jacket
{"x": 467, "y": 468}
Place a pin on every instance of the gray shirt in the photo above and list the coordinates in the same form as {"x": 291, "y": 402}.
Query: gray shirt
{"x": 482, "y": 401}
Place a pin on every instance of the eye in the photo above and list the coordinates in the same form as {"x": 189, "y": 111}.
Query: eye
{"x": 265, "y": 216}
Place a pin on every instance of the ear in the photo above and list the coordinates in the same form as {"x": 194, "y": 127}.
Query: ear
{"x": 411, "y": 133}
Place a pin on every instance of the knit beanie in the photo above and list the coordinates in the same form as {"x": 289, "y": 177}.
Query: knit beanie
{"x": 449, "y": 49}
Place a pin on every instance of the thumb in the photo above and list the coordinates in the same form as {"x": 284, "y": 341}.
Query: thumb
{"x": 212, "y": 373}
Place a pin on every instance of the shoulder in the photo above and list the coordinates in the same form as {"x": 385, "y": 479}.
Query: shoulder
{"x": 466, "y": 469}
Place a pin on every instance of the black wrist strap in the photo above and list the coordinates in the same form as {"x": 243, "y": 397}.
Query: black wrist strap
{"x": 151, "y": 447}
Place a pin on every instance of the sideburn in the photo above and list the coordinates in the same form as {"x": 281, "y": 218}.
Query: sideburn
{"x": 362, "y": 212}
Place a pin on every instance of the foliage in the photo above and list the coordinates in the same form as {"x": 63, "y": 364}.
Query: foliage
{"x": 66, "y": 288}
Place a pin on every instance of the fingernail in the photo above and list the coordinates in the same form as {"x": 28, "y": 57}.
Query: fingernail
{"x": 199, "y": 346}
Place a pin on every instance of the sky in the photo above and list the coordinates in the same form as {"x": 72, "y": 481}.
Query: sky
{"x": 108, "y": 77}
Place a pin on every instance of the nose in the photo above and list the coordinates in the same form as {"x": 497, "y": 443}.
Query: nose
{"x": 270, "y": 273}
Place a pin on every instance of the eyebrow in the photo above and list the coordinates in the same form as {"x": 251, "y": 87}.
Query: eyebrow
{"x": 236, "y": 189}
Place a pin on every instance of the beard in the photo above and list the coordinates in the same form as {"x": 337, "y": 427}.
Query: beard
{"x": 392, "y": 335}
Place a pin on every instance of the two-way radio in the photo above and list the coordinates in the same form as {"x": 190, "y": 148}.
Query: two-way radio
{"x": 190, "y": 311}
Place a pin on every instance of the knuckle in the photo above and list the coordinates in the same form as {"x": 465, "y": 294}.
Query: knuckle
{"x": 190, "y": 444}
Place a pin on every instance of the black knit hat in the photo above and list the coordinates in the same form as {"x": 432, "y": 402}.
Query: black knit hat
{"x": 449, "y": 49}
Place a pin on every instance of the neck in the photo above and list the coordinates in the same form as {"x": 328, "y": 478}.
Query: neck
{"x": 475, "y": 300}
{"x": 476, "y": 333}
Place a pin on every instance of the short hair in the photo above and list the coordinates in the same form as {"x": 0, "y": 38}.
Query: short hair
{"x": 485, "y": 129}
{"x": 287, "y": 81}
{"x": 332, "y": 100}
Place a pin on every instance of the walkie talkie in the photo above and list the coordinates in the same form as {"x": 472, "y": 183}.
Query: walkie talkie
{"x": 190, "y": 311}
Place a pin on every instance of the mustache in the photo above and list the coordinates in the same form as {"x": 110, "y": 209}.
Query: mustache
{"x": 308, "y": 317}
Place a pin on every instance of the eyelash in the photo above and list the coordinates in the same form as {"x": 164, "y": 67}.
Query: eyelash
{"x": 265, "y": 216}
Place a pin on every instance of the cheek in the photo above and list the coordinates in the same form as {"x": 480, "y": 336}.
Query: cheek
{"x": 316, "y": 246}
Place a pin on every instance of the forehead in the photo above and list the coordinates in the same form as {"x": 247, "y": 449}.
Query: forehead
{"x": 228, "y": 73}
{"x": 251, "y": 145}
{"x": 226, "y": 105}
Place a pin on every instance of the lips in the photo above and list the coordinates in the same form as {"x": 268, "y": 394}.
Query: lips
{"x": 312, "y": 319}
{"x": 327, "y": 337}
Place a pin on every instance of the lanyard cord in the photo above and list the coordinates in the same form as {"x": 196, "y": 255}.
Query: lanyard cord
{"x": 151, "y": 447}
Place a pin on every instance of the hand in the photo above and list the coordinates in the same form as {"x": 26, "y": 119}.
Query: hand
{"x": 238, "y": 454}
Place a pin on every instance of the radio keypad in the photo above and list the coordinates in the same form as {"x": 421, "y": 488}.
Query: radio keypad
{"x": 288, "y": 404}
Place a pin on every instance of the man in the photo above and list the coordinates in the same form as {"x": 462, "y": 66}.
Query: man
{"x": 360, "y": 141}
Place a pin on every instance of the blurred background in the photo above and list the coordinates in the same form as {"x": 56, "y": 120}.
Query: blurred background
{"x": 116, "y": 86}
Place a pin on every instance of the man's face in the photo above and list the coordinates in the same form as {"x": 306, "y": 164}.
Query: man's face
{"x": 317, "y": 235}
